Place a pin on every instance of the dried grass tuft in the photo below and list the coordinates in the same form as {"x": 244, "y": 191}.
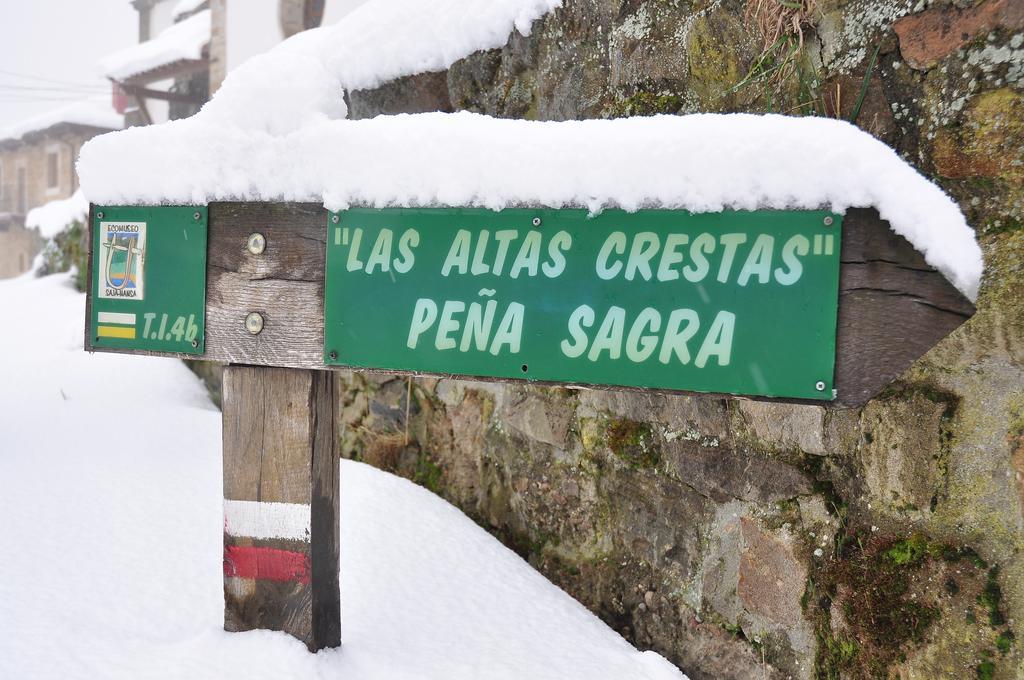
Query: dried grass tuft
{"x": 778, "y": 19}
{"x": 382, "y": 449}
{"x": 781, "y": 25}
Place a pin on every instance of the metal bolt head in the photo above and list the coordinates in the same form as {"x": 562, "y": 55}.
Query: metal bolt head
{"x": 197, "y": 216}
{"x": 254, "y": 323}
{"x": 333, "y": 355}
{"x": 828, "y": 221}
{"x": 536, "y": 221}
{"x": 195, "y": 344}
{"x": 820, "y": 385}
{"x": 335, "y": 219}
{"x": 256, "y": 243}
{"x": 99, "y": 215}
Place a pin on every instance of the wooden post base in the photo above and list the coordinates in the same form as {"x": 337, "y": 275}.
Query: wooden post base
{"x": 281, "y": 503}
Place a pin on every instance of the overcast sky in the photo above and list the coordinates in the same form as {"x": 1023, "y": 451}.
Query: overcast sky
{"x": 42, "y": 41}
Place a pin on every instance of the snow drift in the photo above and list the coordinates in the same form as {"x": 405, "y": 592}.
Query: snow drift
{"x": 111, "y": 494}
{"x": 53, "y": 217}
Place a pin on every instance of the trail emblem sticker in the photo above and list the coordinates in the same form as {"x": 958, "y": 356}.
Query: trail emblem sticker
{"x": 122, "y": 260}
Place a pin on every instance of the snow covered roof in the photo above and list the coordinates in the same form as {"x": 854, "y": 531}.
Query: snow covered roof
{"x": 184, "y": 40}
{"x": 276, "y": 130}
{"x": 97, "y": 113}
{"x": 51, "y": 218}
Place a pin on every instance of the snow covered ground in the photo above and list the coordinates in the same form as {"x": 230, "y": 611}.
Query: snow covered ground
{"x": 110, "y": 499}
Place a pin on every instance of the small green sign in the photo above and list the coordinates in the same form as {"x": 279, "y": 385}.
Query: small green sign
{"x": 149, "y": 278}
{"x": 728, "y": 302}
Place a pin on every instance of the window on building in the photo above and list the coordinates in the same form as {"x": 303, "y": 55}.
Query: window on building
{"x": 51, "y": 170}
{"x": 22, "y": 193}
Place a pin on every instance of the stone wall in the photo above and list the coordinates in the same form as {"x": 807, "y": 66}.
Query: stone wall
{"x": 744, "y": 539}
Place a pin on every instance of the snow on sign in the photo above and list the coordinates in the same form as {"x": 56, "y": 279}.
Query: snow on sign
{"x": 148, "y": 279}
{"x": 727, "y": 302}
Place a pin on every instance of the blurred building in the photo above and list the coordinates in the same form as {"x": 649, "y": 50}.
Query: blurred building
{"x": 37, "y": 165}
{"x": 187, "y": 47}
{"x": 185, "y": 50}
{"x": 166, "y": 75}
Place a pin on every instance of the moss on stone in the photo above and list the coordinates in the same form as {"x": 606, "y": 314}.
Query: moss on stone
{"x": 591, "y": 433}
{"x": 427, "y": 473}
{"x": 991, "y": 598}
{"x": 486, "y": 405}
{"x": 985, "y": 152}
{"x": 870, "y": 583}
{"x": 886, "y": 593}
{"x": 1004, "y": 642}
{"x": 647, "y": 104}
{"x": 1015, "y": 431}
{"x": 836, "y": 655}
{"x": 1000, "y": 224}
{"x": 632, "y": 442}
{"x": 931, "y": 392}
{"x": 713, "y": 49}
{"x": 908, "y": 551}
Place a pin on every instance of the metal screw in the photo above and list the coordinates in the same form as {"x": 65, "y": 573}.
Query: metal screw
{"x": 195, "y": 343}
{"x": 828, "y": 221}
{"x": 335, "y": 219}
{"x": 256, "y": 243}
{"x": 99, "y": 215}
{"x": 197, "y": 216}
{"x": 820, "y": 385}
{"x": 254, "y": 323}
{"x": 333, "y": 355}
{"x": 536, "y": 221}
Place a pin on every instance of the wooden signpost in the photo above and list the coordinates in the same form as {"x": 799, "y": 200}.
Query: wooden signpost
{"x": 804, "y": 307}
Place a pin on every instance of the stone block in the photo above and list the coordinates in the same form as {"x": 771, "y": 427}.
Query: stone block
{"x": 541, "y": 417}
{"x": 900, "y": 453}
{"x": 422, "y": 93}
{"x": 929, "y": 36}
{"x": 723, "y": 474}
{"x": 785, "y": 426}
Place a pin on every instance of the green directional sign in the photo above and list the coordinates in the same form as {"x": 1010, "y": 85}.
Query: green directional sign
{"x": 728, "y": 302}
{"x": 149, "y": 278}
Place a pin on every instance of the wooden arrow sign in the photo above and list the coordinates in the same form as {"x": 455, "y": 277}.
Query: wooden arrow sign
{"x": 797, "y": 306}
